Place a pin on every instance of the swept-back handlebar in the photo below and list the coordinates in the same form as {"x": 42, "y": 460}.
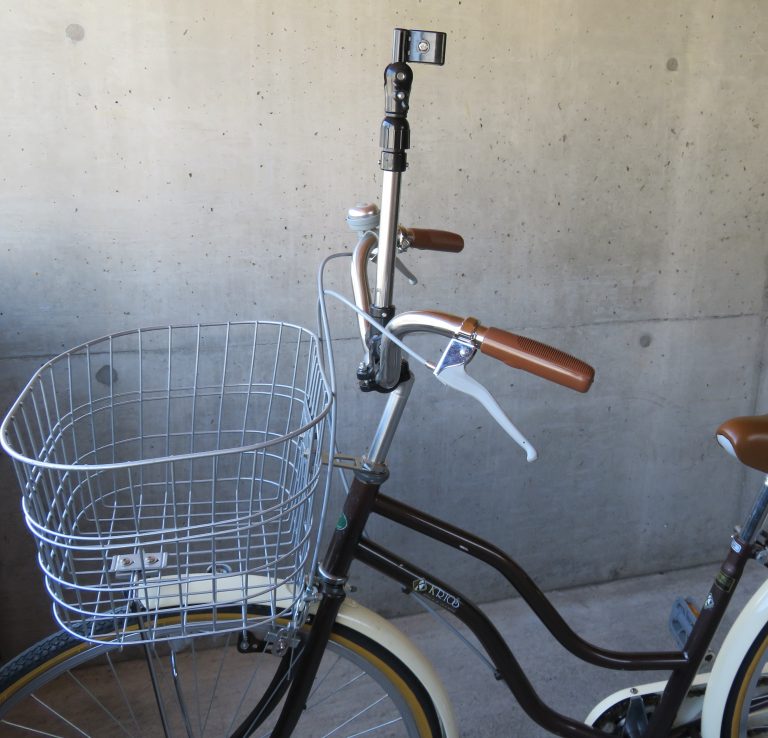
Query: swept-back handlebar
{"x": 519, "y": 352}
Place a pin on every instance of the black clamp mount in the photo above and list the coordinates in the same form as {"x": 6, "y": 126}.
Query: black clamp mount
{"x": 422, "y": 47}
{"x": 395, "y": 137}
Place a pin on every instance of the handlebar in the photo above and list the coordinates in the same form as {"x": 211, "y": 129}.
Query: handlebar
{"x": 537, "y": 358}
{"x": 516, "y": 351}
{"x": 429, "y": 239}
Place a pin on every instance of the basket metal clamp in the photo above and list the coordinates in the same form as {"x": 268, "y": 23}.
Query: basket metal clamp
{"x": 276, "y": 642}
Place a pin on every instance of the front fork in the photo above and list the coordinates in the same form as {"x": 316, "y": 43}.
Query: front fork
{"x": 332, "y": 578}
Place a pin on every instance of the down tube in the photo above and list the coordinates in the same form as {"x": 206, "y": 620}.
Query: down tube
{"x": 410, "y": 577}
{"x": 491, "y": 555}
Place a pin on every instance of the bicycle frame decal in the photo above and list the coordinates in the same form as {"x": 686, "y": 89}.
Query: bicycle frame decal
{"x": 436, "y": 594}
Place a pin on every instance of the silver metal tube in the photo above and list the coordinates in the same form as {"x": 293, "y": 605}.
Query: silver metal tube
{"x": 360, "y": 288}
{"x": 757, "y": 515}
{"x": 423, "y": 321}
{"x": 385, "y": 265}
{"x": 415, "y": 321}
{"x": 390, "y": 418}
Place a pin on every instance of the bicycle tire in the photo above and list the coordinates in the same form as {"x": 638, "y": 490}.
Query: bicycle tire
{"x": 746, "y": 707}
{"x": 63, "y": 686}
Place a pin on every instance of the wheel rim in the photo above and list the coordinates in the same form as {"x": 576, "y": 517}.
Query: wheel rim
{"x": 101, "y": 691}
{"x": 752, "y": 701}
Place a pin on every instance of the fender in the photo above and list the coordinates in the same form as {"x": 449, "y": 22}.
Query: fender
{"x": 743, "y": 632}
{"x": 689, "y": 710}
{"x": 353, "y": 615}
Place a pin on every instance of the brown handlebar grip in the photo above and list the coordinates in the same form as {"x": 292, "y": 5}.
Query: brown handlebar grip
{"x": 432, "y": 240}
{"x": 537, "y": 358}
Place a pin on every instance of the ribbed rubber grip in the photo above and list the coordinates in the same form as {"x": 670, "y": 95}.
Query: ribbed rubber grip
{"x": 537, "y": 358}
{"x": 432, "y": 240}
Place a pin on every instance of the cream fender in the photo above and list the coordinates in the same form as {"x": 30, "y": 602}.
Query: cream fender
{"x": 750, "y": 622}
{"x": 365, "y": 621}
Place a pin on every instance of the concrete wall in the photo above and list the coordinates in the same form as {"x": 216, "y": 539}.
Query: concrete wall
{"x": 167, "y": 162}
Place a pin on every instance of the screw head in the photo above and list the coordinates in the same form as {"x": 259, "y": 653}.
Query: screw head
{"x": 423, "y": 46}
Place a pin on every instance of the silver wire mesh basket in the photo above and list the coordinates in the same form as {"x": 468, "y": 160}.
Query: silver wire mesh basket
{"x": 168, "y": 475}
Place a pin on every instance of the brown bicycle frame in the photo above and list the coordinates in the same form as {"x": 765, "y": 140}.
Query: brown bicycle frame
{"x": 348, "y": 544}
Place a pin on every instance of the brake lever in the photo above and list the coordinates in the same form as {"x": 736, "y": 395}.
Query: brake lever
{"x": 404, "y": 270}
{"x": 450, "y": 370}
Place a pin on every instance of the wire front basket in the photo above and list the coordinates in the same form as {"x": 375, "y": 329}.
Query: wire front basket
{"x": 168, "y": 477}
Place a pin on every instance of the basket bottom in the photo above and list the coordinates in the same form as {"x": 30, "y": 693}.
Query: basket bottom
{"x": 165, "y": 608}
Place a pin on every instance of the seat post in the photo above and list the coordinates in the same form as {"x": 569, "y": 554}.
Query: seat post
{"x": 755, "y": 520}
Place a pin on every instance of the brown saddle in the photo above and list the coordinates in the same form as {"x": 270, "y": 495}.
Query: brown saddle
{"x": 746, "y": 438}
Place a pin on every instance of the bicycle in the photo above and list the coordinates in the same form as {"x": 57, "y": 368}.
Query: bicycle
{"x": 166, "y": 528}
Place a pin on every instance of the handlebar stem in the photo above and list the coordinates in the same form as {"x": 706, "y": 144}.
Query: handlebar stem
{"x": 394, "y": 142}
{"x": 390, "y": 418}
{"x": 385, "y": 264}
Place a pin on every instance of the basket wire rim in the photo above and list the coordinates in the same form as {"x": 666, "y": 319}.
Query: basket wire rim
{"x": 5, "y": 440}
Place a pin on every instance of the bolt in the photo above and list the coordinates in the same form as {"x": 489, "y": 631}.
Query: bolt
{"x": 464, "y": 352}
{"x": 151, "y": 559}
{"x": 400, "y": 76}
{"x": 400, "y": 95}
{"x": 423, "y": 46}
{"x": 126, "y": 561}
{"x": 633, "y": 691}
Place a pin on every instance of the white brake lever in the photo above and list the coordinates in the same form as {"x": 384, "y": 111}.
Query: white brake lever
{"x": 451, "y": 372}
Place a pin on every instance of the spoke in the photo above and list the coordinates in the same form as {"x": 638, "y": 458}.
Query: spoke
{"x": 122, "y": 691}
{"x": 58, "y": 715}
{"x": 377, "y": 727}
{"x": 224, "y": 654}
{"x": 99, "y": 704}
{"x": 198, "y": 701}
{"x": 150, "y": 654}
{"x": 28, "y": 729}
{"x": 319, "y": 682}
{"x": 245, "y": 694}
{"x": 337, "y": 690}
{"x": 180, "y": 695}
{"x": 355, "y": 716}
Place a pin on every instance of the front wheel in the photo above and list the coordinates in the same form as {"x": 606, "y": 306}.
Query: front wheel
{"x": 746, "y": 708}
{"x": 206, "y": 687}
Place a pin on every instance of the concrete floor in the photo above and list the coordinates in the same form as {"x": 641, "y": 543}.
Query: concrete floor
{"x": 630, "y": 613}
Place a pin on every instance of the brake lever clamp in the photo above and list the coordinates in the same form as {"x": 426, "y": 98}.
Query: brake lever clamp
{"x": 450, "y": 370}
{"x": 459, "y": 352}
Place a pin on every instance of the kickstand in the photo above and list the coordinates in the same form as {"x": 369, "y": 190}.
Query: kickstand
{"x": 636, "y": 721}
